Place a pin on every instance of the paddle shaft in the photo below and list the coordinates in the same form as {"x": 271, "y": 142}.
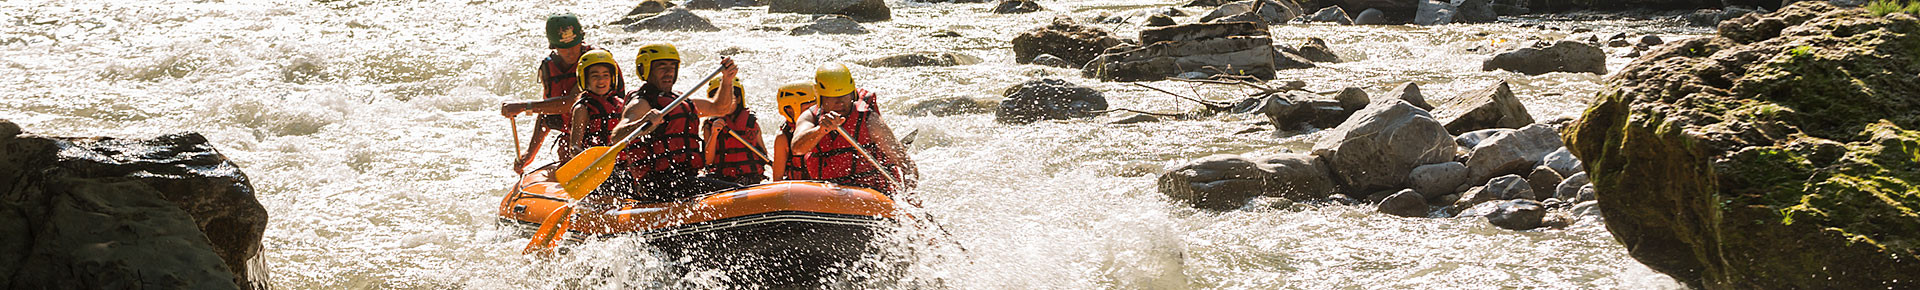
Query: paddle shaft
{"x": 869, "y": 157}
{"x": 743, "y": 140}
{"x": 516, "y": 143}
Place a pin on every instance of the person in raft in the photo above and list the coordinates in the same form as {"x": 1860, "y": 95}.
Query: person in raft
{"x": 734, "y": 152}
{"x": 597, "y": 113}
{"x": 668, "y": 158}
{"x": 852, "y": 112}
{"x": 559, "y": 86}
{"x": 794, "y": 98}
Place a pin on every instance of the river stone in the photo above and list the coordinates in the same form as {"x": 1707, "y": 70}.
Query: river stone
{"x": 167, "y": 212}
{"x": 1569, "y": 189}
{"x": 676, "y": 19}
{"x": 1135, "y": 119}
{"x": 950, "y": 106}
{"x": 858, "y": 10}
{"x": 1271, "y": 12}
{"x": 921, "y": 59}
{"x": 1283, "y": 59}
{"x": 1517, "y": 214}
{"x": 1434, "y": 12}
{"x": 1316, "y": 49}
{"x": 1296, "y": 176}
{"x": 1475, "y": 11}
{"x": 1512, "y": 153}
{"x": 1377, "y": 147}
{"x": 1501, "y": 188}
{"x": 1016, "y": 7}
{"x": 1410, "y": 93}
{"x": 1493, "y": 107}
{"x": 1237, "y": 48}
{"x": 1692, "y": 146}
{"x": 1406, "y": 203}
{"x": 1216, "y": 182}
{"x": 1562, "y": 162}
{"x": 1352, "y": 99}
{"x": 1544, "y": 181}
{"x": 1562, "y": 56}
{"x": 1473, "y": 139}
{"x": 1586, "y": 208}
{"x": 1073, "y": 42}
{"x": 1370, "y": 17}
{"x": 1439, "y": 178}
{"x": 1048, "y": 99}
{"x": 1050, "y": 60}
{"x": 829, "y": 24}
{"x": 1158, "y": 20}
{"x": 1586, "y": 193}
{"x": 721, "y": 4}
{"x": 1331, "y": 14}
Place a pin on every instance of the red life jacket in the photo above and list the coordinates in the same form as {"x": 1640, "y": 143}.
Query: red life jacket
{"x": 560, "y": 78}
{"x": 674, "y": 146}
{"x": 833, "y": 160}
{"x": 603, "y": 114}
{"x": 738, "y": 160}
{"x": 796, "y": 162}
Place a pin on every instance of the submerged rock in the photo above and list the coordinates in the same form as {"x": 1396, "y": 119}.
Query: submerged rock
{"x": 1049, "y": 99}
{"x": 1316, "y": 49}
{"x": 721, "y": 4}
{"x": 1378, "y": 147}
{"x": 167, "y": 212}
{"x": 950, "y": 106}
{"x": 1693, "y": 147}
{"x": 1073, "y": 42}
{"x": 829, "y": 24}
{"x": 921, "y": 59}
{"x": 1016, "y": 7}
{"x": 1562, "y": 56}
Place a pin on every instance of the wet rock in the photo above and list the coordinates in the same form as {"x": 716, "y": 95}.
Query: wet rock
{"x": 1710, "y": 121}
{"x": 1493, "y": 107}
{"x": 1371, "y": 17}
{"x": 1048, "y": 99}
{"x": 1410, "y": 93}
{"x": 1500, "y": 188}
{"x": 1206, "y": 3}
{"x": 1438, "y": 179}
{"x": 1378, "y": 147}
{"x": 951, "y": 106}
{"x": 1473, "y": 139}
{"x": 1563, "y": 56}
{"x": 1651, "y": 40}
{"x": 1316, "y": 49}
{"x": 1406, "y": 203}
{"x": 721, "y": 4}
{"x": 944, "y": 33}
{"x": 167, "y": 212}
{"x": 858, "y": 10}
{"x": 1050, "y": 60}
{"x": 1517, "y": 215}
{"x": 1227, "y": 181}
{"x": 1562, "y": 162}
{"x": 1135, "y": 119}
{"x": 1268, "y": 203}
{"x": 1569, "y": 189}
{"x": 920, "y": 59}
{"x": 1512, "y": 153}
{"x": 1586, "y": 208}
{"x": 1332, "y": 14}
{"x": 1544, "y": 181}
{"x": 1271, "y": 12}
{"x": 1476, "y": 11}
{"x": 829, "y": 24}
{"x": 1713, "y": 17}
{"x": 649, "y": 7}
{"x": 1352, "y": 99}
{"x": 1016, "y": 7}
{"x": 676, "y": 19}
{"x": 1586, "y": 193}
{"x": 1073, "y": 42}
{"x": 1158, "y": 20}
{"x": 1239, "y": 48}
{"x": 1396, "y": 6}
{"x": 1286, "y": 60}
{"x": 1434, "y": 12}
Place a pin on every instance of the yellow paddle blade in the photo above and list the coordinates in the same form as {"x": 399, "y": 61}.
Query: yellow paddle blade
{"x": 586, "y": 171}
{"x": 548, "y": 236}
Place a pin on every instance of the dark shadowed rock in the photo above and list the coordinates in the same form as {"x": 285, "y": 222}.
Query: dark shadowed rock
{"x": 1410, "y": 93}
{"x": 921, "y": 59}
{"x": 1226, "y": 181}
{"x": 1406, "y": 203}
{"x": 1435, "y": 12}
{"x": 830, "y": 24}
{"x": 1544, "y": 181}
{"x": 1316, "y": 49}
{"x": 1331, "y": 14}
{"x": 1237, "y": 48}
{"x": 1049, "y": 99}
{"x": 858, "y": 10}
{"x": 950, "y": 106}
{"x": 1563, "y": 56}
{"x": 1016, "y": 7}
{"x": 1493, "y": 107}
{"x": 1371, "y": 17}
{"x": 1271, "y": 12}
{"x": 1378, "y": 147}
{"x": 1050, "y": 60}
{"x": 1517, "y": 214}
{"x": 676, "y": 19}
{"x": 1158, "y": 20}
{"x": 1476, "y": 11}
{"x": 1500, "y": 188}
{"x": 1075, "y": 43}
{"x": 1352, "y": 99}
{"x": 721, "y": 4}
{"x": 1282, "y": 59}
{"x": 1569, "y": 189}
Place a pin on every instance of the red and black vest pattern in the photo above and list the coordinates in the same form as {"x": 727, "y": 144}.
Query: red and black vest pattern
{"x": 833, "y": 160}
{"x": 737, "y": 160}
{"x": 603, "y": 114}
{"x": 674, "y": 146}
{"x": 560, "y": 79}
{"x": 796, "y": 162}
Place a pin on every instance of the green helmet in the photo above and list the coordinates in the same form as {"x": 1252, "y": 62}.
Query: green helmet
{"x": 563, "y": 31}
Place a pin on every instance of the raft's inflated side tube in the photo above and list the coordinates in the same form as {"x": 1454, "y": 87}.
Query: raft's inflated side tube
{"x": 780, "y": 202}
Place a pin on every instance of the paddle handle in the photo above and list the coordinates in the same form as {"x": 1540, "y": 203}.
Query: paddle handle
{"x": 516, "y": 143}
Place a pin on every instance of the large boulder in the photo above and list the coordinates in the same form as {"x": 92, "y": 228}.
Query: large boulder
{"x": 1016, "y": 7}
{"x": 921, "y": 59}
{"x": 1331, "y": 14}
{"x": 1707, "y": 152}
{"x": 1048, "y": 99}
{"x": 1238, "y": 48}
{"x": 1378, "y": 147}
{"x": 1073, "y": 42}
{"x": 1493, "y": 107}
{"x": 1562, "y": 56}
{"x": 167, "y": 212}
{"x": 1435, "y": 12}
{"x": 1228, "y": 181}
{"x": 829, "y": 24}
{"x": 1516, "y": 152}
{"x": 858, "y": 10}
{"x": 676, "y": 19}
{"x": 1270, "y": 12}
{"x": 1371, "y": 17}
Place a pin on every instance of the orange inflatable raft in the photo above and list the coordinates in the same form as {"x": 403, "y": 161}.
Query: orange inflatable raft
{"x": 782, "y": 232}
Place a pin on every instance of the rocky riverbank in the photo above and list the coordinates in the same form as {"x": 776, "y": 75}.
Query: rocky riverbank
{"x": 108, "y": 213}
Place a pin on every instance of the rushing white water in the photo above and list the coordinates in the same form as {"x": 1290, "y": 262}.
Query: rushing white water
{"x": 370, "y": 131}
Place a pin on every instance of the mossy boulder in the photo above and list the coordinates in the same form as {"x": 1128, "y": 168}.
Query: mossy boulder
{"x": 1782, "y": 153}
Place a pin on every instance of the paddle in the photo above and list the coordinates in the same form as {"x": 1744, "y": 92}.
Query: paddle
{"x": 516, "y": 144}
{"x": 896, "y": 181}
{"x": 743, "y": 140}
{"x": 585, "y": 172}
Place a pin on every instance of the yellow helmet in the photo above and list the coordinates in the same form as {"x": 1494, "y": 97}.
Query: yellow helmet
{"x": 833, "y": 79}
{"x": 713, "y": 86}
{"x": 594, "y": 57}
{"x": 652, "y": 52}
{"x": 795, "y": 97}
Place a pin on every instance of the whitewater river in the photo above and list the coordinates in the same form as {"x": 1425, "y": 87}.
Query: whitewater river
{"x": 371, "y": 132}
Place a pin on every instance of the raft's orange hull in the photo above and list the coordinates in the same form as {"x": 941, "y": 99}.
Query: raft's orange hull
{"x": 535, "y": 199}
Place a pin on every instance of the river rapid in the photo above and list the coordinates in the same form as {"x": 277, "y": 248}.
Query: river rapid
{"x": 371, "y": 132}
